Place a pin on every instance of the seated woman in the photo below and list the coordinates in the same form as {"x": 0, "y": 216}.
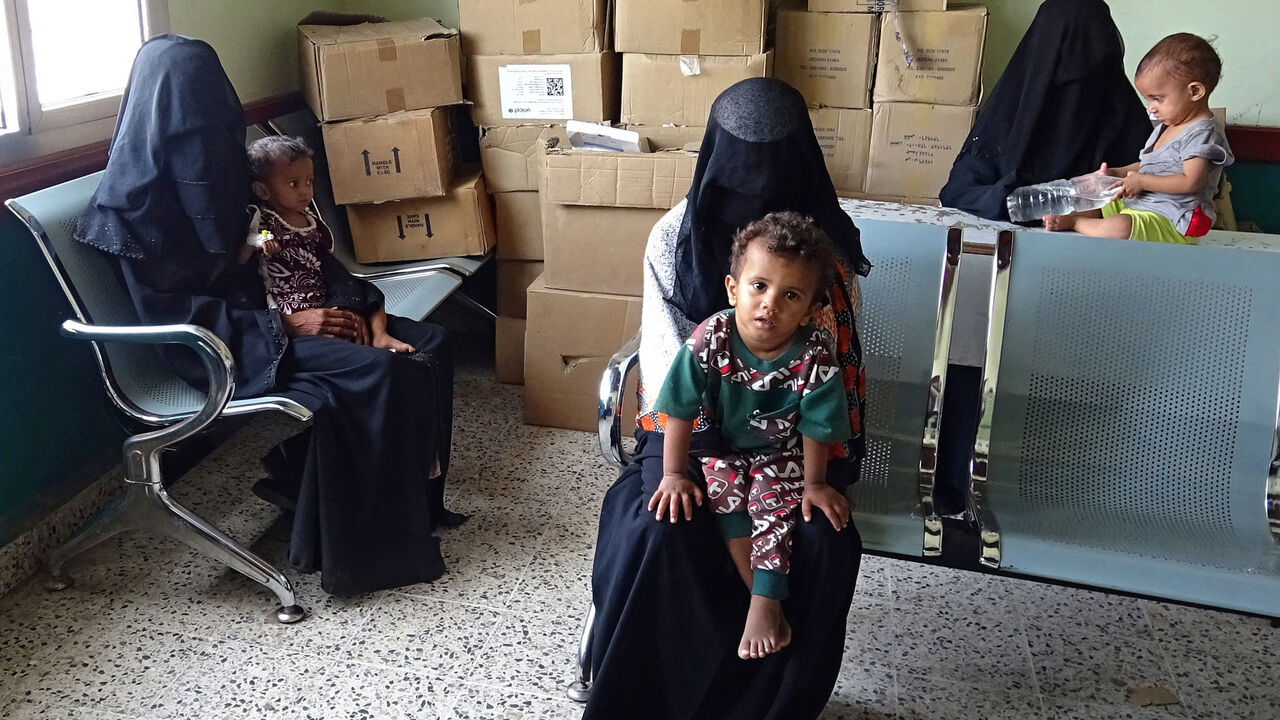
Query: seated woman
{"x": 669, "y": 601}
{"x": 367, "y": 476}
{"x": 1063, "y": 106}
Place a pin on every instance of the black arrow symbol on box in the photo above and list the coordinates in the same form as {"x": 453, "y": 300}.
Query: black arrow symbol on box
{"x": 395, "y": 152}
{"x": 427, "y": 219}
{"x": 367, "y": 169}
{"x": 400, "y": 226}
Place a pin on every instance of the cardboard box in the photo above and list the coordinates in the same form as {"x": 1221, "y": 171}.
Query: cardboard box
{"x": 947, "y": 69}
{"x": 568, "y": 341}
{"x": 514, "y": 277}
{"x": 391, "y": 157}
{"x": 870, "y": 6}
{"x": 828, "y": 57}
{"x": 638, "y": 180}
{"x": 517, "y": 217}
{"x": 460, "y": 223}
{"x": 845, "y": 139}
{"x": 671, "y": 137}
{"x": 525, "y": 89}
{"x": 681, "y": 27}
{"x": 596, "y": 249}
{"x": 378, "y": 68}
{"x": 508, "y": 350}
{"x": 679, "y": 89}
{"x": 512, "y": 154}
{"x": 913, "y": 146}
{"x": 532, "y": 27}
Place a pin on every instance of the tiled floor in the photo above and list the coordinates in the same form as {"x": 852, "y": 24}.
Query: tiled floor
{"x": 152, "y": 631}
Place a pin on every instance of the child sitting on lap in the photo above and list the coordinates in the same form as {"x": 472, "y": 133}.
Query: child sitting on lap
{"x": 768, "y": 379}
{"x": 292, "y": 239}
{"x": 1168, "y": 193}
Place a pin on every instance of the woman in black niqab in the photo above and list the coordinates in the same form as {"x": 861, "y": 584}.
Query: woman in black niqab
{"x": 1062, "y": 108}
{"x": 170, "y": 209}
{"x": 669, "y": 603}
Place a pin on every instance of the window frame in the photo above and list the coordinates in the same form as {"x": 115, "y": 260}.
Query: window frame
{"x": 39, "y": 132}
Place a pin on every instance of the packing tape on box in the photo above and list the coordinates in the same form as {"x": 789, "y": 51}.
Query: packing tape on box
{"x": 395, "y": 99}
{"x": 690, "y": 41}
{"x": 532, "y": 41}
{"x": 386, "y": 50}
{"x": 690, "y": 65}
{"x": 900, "y": 34}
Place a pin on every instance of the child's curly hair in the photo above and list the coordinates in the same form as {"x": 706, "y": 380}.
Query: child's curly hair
{"x": 265, "y": 152}
{"x": 1187, "y": 57}
{"x": 792, "y": 236}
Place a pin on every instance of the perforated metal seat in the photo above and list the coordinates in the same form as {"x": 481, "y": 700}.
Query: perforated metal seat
{"x": 1129, "y": 426}
{"x": 146, "y": 390}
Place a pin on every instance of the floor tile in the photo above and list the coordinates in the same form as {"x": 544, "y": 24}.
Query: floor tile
{"x": 531, "y": 654}
{"x": 964, "y": 647}
{"x": 930, "y": 698}
{"x": 1075, "y": 663}
{"x": 862, "y": 694}
{"x": 16, "y": 708}
{"x": 371, "y": 693}
{"x": 431, "y": 637}
{"x": 1058, "y": 709}
{"x": 1226, "y": 686}
{"x": 477, "y": 573}
{"x": 472, "y": 702}
{"x": 232, "y": 680}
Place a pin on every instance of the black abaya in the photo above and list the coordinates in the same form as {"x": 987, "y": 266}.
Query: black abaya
{"x": 171, "y": 211}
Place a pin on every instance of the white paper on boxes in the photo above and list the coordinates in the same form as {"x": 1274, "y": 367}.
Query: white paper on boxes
{"x": 542, "y": 92}
{"x": 531, "y": 89}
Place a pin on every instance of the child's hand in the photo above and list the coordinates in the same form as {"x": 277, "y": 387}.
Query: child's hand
{"x": 385, "y": 341}
{"x": 1104, "y": 170}
{"x": 675, "y": 491}
{"x": 830, "y": 501}
{"x": 1130, "y": 186}
{"x": 270, "y": 247}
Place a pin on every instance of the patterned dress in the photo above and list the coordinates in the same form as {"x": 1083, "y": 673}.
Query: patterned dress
{"x": 293, "y": 276}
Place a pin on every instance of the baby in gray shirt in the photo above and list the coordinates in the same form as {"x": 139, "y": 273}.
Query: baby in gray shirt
{"x": 1167, "y": 196}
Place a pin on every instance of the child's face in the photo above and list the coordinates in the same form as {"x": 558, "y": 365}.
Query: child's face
{"x": 1170, "y": 100}
{"x": 773, "y": 297}
{"x": 288, "y": 185}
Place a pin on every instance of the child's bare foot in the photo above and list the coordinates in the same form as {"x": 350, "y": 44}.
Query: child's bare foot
{"x": 767, "y": 630}
{"x": 1059, "y": 223}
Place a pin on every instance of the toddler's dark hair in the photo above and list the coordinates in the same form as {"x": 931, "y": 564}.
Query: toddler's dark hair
{"x": 266, "y": 152}
{"x": 1187, "y": 57}
{"x": 792, "y": 236}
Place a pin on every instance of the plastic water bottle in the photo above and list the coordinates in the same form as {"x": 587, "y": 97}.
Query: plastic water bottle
{"x": 1061, "y": 197}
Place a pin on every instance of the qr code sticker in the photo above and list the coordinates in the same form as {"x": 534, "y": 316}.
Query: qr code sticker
{"x": 555, "y": 87}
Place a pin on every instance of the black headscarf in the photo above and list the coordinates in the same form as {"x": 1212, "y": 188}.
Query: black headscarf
{"x": 1062, "y": 107}
{"x": 177, "y": 162}
{"x": 759, "y": 155}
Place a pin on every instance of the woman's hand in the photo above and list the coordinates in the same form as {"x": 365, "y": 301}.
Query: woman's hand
{"x": 329, "y": 322}
{"x": 830, "y": 501}
{"x": 675, "y": 491}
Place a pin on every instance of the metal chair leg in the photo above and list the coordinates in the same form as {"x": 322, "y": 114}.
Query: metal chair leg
{"x": 580, "y": 689}
{"x": 180, "y": 523}
{"x": 123, "y": 513}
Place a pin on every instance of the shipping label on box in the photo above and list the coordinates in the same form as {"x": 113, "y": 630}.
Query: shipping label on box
{"x": 569, "y": 339}
{"x": 532, "y": 27}
{"x": 370, "y": 69}
{"x": 514, "y": 278}
{"x": 828, "y": 57}
{"x": 874, "y": 6}
{"x": 518, "y": 219}
{"x": 596, "y": 249}
{"x": 512, "y": 154}
{"x": 845, "y": 139}
{"x": 392, "y": 157}
{"x": 913, "y": 146}
{"x": 640, "y": 180}
{"x": 524, "y": 89}
{"x": 682, "y": 27}
{"x": 508, "y": 350}
{"x": 460, "y": 223}
{"x": 679, "y": 89}
{"x": 947, "y": 63}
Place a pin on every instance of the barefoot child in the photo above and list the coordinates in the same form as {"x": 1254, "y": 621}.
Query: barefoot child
{"x": 1168, "y": 193}
{"x": 767, "y": 378}
{"x": 292, "y": 239}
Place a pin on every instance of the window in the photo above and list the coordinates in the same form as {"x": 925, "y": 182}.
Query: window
{"x": 63, "y": 65}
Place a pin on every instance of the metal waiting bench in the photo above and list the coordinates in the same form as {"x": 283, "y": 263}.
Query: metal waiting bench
{"x": 146, "y": 391}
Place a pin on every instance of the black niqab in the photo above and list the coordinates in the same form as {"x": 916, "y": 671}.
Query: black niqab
{"x": 759, "y": 155}
{"x": 1062, "y": 107}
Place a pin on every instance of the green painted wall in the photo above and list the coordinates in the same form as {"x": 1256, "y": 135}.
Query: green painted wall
{"x": 1250, "y": 87}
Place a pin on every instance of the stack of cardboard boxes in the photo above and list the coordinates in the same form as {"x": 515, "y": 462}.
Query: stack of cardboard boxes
{"x": 385, "y": 94}
{"x": 920, "y": 114}
{"x": 531, "y": 66}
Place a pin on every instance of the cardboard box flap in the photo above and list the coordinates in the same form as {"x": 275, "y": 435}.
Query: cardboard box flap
{"x": 416, "y": 29}
{"x": 639, "y": 180}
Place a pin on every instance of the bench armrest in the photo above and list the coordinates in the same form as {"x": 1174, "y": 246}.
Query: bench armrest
{"x": 217, "y": 361}
{"x": 612, "y": 385}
